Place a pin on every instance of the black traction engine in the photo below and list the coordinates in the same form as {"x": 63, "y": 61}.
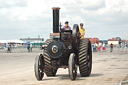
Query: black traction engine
{"x": 64, "y": 49}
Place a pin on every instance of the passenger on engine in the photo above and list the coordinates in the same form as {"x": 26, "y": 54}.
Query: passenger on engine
{"x": 82, "y": 31}
{"x": 67, "y": 27}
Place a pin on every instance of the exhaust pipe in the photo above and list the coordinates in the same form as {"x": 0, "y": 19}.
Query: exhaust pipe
{"x": 55, "y": 19}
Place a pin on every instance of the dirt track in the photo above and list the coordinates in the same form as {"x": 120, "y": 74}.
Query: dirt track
{"x": 108, "y": 69}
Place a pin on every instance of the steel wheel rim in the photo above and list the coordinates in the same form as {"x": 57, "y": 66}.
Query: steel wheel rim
{"x": 41, "y": 67}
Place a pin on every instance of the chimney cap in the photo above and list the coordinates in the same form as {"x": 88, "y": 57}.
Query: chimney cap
{"x": 56, "y": 8}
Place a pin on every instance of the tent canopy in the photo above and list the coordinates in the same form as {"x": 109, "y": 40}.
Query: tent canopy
{"x": 11, "y": 41}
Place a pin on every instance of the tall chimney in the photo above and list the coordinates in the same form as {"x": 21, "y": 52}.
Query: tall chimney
{"x": 55, "y": 19}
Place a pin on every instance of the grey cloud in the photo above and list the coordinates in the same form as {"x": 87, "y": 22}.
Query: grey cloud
{"x": 106, "y": 25}
{"x": 93, "y": 6}
{"x": 111, "y": 17}
{"x": 3, "y": 4}
{"x": 39, "y": 25}
{"x": 87, "y": 6}
{"x": 20, "y": 4}
{"x": 110, "y": 23}
{"x": 17, "y": 3}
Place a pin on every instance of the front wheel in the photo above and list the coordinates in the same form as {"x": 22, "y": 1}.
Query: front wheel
{"x": 72, "y": 67}
{"x": 39, "y": 67}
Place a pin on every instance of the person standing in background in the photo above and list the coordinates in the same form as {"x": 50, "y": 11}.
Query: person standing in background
{"x": 126, "y": 47}
{"x": 111, "y": 47}
{"x": 94, "y": 47}
{"x": 31, "y": 47}
{"x": 7, "y": 47}
{"x": 103, "y": 47}
{"x": 28, "y": 47}
{"x": 122, "y": 46}
{"x": 10, "y": 48}
{"x": 98, "y": 47}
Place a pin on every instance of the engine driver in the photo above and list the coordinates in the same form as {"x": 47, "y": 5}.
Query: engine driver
{"x": 67, "y": 27}
{"x": 82, "y": 31}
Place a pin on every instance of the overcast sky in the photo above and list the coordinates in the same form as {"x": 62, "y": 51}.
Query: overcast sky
{"x": 29, "y": 18}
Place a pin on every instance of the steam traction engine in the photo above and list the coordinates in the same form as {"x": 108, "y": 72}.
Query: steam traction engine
{"x": 65, "y": 49}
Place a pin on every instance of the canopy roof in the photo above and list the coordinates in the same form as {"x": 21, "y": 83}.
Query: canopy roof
{"x": 11, "y": 41}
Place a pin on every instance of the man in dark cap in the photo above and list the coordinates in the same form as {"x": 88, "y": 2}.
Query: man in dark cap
{"x": 82, "y": 30}
{"x": 67, "y": 27}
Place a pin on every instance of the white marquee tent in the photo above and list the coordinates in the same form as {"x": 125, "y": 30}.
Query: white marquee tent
{"x": 11, "y": 41}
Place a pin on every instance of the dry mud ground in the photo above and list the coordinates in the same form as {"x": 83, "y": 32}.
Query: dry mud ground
{"x": 108, "y": 69}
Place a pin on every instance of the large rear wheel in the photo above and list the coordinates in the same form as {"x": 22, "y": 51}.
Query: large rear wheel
{"x": 85, "y": 57}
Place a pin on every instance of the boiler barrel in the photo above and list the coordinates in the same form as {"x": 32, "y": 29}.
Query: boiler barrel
{"x": 55, "y": 19}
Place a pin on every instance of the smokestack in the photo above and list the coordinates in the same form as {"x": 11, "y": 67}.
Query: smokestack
{"x": 55, "y": 19}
